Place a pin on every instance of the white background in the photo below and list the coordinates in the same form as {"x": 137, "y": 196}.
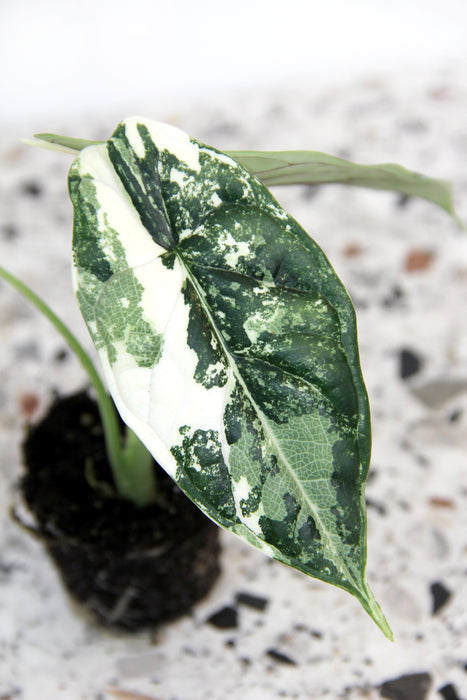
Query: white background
{"x": 71, "y": 58}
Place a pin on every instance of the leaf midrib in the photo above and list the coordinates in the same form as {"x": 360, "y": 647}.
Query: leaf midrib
{"x": 200, "y": 293}
{"x": 275, "y": 365}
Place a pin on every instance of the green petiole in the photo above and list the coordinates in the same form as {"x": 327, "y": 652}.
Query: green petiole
{"x": 311, "y": 168}
{"x": 130, "y": 461}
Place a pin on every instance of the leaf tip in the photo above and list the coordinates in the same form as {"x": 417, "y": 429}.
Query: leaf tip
{"x": 49, "y": 142}
{"x": 373, "y": 608}
{"x": 384, "y": 626}
{"x": 55, "y": 142}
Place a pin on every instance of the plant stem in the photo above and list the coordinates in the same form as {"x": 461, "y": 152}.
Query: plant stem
{"x": 311, "y": 168}
{"x": 140, "y": 478}
{"x": 131, "y": 463}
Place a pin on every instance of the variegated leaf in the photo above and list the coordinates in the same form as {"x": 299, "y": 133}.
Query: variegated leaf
{"x": 229, "y": 346}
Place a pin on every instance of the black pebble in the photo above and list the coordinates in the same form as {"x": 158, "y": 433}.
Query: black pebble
{"x": 309, "y": 192}
{"x": 455, "y": 415}
{"x": 224, "y": 129}
{"x": 379, "y": 507}
{"x": 394, "y": 298}
{"x": 224, "y": 619}
{"x": 413, "y": 686}
{"x": 402, "y": 200}
{"x": 281, "y": 657}
{"x": 252, "y": 601}
{"x": 31, "y": 188}
{"x": 61, "y": 355}
{"x": 448, "y": 692}
{"x": 409, "y": 364}
{"x": 440, "y": 596}
{"x": 9, "y": 231}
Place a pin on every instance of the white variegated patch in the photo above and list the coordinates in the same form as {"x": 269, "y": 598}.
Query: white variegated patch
{"x": 167, "y": 137}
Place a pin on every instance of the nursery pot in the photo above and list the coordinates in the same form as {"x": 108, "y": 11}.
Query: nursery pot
{"x": 131, "y": 567}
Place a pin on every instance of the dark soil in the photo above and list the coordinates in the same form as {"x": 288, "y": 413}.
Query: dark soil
{"x": 132, "y": 567}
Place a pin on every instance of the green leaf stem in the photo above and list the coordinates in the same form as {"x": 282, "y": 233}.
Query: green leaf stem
{"x": 312, "y": 168}
{"x": 132, "y": 465}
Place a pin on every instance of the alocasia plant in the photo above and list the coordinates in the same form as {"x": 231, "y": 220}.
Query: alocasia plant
{"x": 228, "y": 343}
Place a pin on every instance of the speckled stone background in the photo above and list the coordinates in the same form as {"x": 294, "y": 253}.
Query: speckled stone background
{"x": 267, "y": 631}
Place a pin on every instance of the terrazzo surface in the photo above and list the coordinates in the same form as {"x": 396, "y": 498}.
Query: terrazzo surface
{"x": 266, "y": 631}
